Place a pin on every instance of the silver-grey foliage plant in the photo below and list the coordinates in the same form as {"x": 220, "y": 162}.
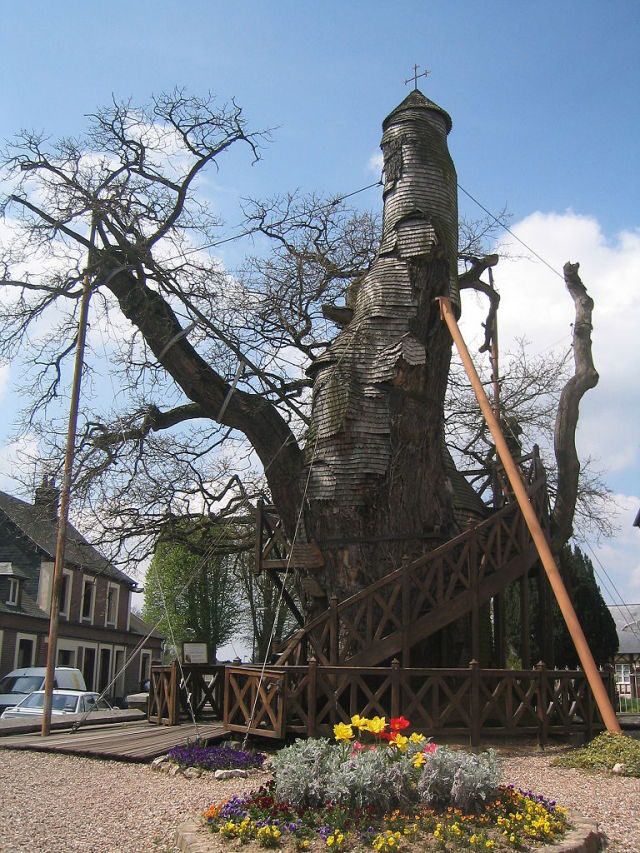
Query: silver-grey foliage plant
{"x": 313, "y": 772}
{"x": 459, "y": 779}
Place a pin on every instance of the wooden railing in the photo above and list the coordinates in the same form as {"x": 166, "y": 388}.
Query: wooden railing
{"x": 475, "y": 703}
{"x": 180, "y": 692}
{"x": 422, "y": 597}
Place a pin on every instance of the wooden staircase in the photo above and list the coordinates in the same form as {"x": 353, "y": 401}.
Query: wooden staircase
{"x": 389, "y": 617}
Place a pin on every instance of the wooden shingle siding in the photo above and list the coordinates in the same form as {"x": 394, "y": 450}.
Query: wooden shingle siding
{"x": 349, "y": 439}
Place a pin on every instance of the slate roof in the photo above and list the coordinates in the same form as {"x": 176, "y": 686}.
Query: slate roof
{"x": 627, "y": 619}
{"x": 28, "y": 607}
{"x": 42, "y": 531}
{"x": 139, "y": 626}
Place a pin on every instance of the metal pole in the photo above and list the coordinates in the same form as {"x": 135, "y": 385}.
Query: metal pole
{"x": 65, "y": 490}
{"x": 546, "y": 557}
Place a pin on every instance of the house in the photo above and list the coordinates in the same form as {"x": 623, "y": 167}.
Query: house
{"x": 97, "y": 631}
{"x": 627, "y": 660}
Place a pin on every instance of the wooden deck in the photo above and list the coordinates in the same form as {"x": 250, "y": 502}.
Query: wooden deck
{"x": 121, "y": 742}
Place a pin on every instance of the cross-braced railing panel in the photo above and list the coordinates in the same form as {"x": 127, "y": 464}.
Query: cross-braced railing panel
{"x": 439, "y": 702}
{"x": 254, "y": 701}
{"x": 508, "y": 700}
{"x": 423, "y": 596}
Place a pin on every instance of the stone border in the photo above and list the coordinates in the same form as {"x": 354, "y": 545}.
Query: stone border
{"x": 584, "y": 838}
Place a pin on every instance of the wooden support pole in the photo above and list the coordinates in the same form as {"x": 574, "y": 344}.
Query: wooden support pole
{"x": 65, "y": 491}
{"x": 548, "y": 561}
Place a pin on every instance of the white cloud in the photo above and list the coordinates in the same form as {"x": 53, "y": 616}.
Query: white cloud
{"x": 376, "y": 162}
{"x": 535, "y": 304}
{"x": 10, "y": 460}
{"x": 617, "y": 561}
{"x": 4, "y": 379}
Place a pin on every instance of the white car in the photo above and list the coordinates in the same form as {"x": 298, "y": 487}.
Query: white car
{"x": 62, "y": 702}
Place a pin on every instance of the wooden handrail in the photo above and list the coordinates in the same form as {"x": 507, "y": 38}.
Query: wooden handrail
{"x": 536, "y": 485}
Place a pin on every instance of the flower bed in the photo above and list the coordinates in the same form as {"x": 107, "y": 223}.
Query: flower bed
{"x": 378, "y": 788}
{"x": 215, "y": 757}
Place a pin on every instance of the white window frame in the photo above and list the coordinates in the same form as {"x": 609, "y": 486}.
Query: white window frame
{"x": 145, "y": 654}
{"x": 65, "y": 605}
{"x": 83, "y": 645}
{"x": 86, "y": 581}
{"x": 623, "y": 673}
{"x": 34, "y": 648}
{"x": 13, "y": 592}
{"x": 112, "y": 623}
{"x": 118, "y": 688}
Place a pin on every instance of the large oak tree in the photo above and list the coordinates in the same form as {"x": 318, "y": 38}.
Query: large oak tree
{"x": 323, "y": 364}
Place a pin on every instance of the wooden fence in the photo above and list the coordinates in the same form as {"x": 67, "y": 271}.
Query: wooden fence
{"x": 183, "y": 691}
{"x": 475, "y": 703}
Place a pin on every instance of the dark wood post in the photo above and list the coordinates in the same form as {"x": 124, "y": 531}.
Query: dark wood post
{"x": 589, "y": 703}
{"x": 396, "y": 688}
{"x": 475, "y": 605}
{"x": 474, "y": 705}
{"x": 174, "y": 691}
{"x": 406, "y": 615}
{"x": 541, "y": 704}
{"x": 525, "y": 623}
{"x": 312, "y": 696}
{"x": 334, "y": 632}
{"x": 500, "y": 645}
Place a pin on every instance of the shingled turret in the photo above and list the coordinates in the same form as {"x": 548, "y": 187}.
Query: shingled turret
{"x": 420, "y": 185}
{"x": 378, "y": 391}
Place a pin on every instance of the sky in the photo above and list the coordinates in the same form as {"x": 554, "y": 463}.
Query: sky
{"x": 544, "y": 103}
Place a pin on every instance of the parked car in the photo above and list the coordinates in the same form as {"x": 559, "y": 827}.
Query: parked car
{"x": 19, "y": 683}
{"x": 139, "y": 701}
{"x": 62, "y": 702}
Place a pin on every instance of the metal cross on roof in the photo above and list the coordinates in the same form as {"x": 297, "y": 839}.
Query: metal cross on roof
{"x": 415, "y": 76}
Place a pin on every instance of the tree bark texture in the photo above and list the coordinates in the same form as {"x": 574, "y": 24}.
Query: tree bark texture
{"x": 585, "y": 377}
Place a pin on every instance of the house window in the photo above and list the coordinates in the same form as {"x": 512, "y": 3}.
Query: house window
{"x": 112, "y": 605}
{"x": 65, "y": 594}
{"x": 145, "y": 669}
{"x": 88, "y": 598}
{"x": 12, "y": 597}
{"x": 66, "y": 657}
{"x": 623, "y": 673}
{"x": 25, "y": 651}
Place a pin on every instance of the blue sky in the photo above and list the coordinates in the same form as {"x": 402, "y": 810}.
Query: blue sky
{"x": 544, "y": 103}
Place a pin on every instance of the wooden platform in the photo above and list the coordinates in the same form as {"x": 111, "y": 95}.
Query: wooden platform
{"x": 121, "y": 742}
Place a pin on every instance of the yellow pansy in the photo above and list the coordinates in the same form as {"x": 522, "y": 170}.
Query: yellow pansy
{"x": 376, "y": 725}
{"x": 342, "y": 731}
{"x": 400, "y": 741}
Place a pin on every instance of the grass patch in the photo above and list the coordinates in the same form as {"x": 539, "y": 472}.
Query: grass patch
{"x": 603, "y": 752}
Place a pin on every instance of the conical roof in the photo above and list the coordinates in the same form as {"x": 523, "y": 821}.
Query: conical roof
{"x": 416, "y": 100}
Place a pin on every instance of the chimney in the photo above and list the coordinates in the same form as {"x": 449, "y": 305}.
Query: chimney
{"x": 47, "y": 497}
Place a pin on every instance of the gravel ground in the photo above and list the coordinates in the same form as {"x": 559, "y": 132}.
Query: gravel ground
{"x": 58, "y": 804}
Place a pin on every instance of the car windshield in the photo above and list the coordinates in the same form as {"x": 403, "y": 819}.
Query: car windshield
{"x": 58, "y": 702}
{"x": 20, "y": 683}
{"x": 34, "y": 701}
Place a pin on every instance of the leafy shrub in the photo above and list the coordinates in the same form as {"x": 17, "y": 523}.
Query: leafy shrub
{"x": 215, "y": 757}
{"x": 302, "y": 770}
{"x": 458, "y": 779}
{"x": 312, "y": 772}
{"x": 603, "y": 752}
{"x": 372, "y": 779}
